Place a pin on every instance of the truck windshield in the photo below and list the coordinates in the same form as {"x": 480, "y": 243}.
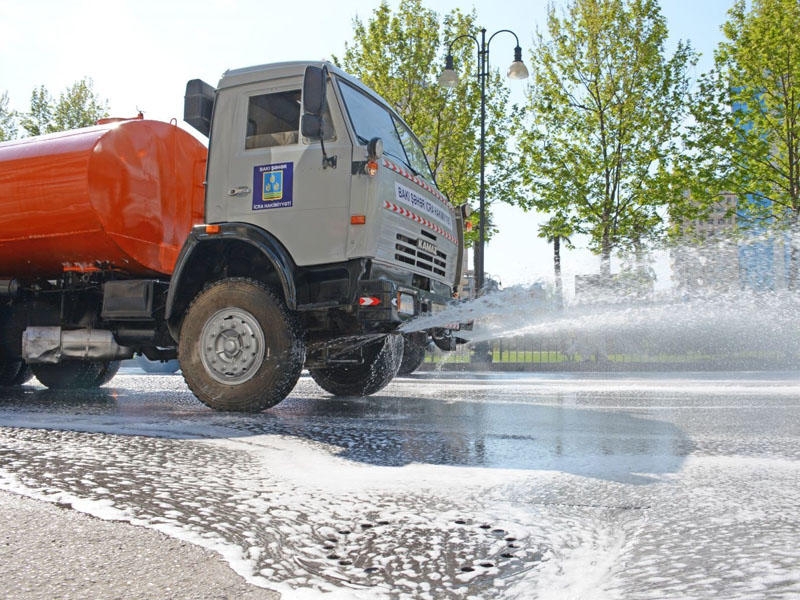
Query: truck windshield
{"x": 371, "y": 119}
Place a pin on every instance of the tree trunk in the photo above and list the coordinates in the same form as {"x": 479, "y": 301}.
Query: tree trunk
{"x": 794, "y": 253}
{"x": 605, "y": 255}
{"x": 557, "y": 272}
{"x": 794, "y": 260}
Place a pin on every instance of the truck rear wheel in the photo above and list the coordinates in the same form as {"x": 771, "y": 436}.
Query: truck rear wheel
{"x": 240, "y": 348}
{"x": 380, "y": 363}
{"x": 13, "y": 373}
{"x": 107, "y": 371}
{"x": 75, "y": 374}
{"x": 23, "y": 376}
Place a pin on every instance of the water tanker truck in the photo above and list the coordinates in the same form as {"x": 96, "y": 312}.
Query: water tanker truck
{"x": 305, "y": 233}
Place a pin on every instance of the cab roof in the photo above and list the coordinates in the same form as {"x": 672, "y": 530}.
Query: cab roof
{"x": 258, "y": 73}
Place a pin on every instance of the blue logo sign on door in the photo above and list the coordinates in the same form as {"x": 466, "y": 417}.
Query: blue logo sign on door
{"x": 273, "y": 186}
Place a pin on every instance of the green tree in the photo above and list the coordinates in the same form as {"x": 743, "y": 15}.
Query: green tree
{"x": 8, "y": 125}
{"x": 747, "y": 134}
{"x": 401, "y": 55}
{"x": 37, "y": 121}
{"x": 78, "y": 106}
{"x": 605, "y": 110}
{"x": 559, "y": 228}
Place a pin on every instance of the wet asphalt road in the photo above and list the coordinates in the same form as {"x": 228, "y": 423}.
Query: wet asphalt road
{"x": 440, "y": 486}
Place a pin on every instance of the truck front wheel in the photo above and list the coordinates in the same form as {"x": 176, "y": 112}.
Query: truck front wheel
{"x": 240, "y": 348}
{"x": 414, "y": 348}
{"x": 370, "y": 371}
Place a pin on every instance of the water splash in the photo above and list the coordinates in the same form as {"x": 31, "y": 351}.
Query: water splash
{"x": 715, "y": 323}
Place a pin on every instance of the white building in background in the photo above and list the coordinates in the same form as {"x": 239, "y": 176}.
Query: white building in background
{"x": 717, "y": 254}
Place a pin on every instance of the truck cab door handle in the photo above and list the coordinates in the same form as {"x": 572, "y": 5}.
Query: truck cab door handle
{"x": 239, "y": 191}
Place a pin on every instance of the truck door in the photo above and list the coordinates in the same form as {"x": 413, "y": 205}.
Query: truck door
{"x": 275, "y": 179}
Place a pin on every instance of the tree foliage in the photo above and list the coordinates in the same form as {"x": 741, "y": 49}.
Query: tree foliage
{"x": 600, "y": 137}
{"x": 747, "y": 110}
{"x": 400, "y": 55}
{"x": 37, "y": 120}
{"x": 8, "y": 126}
{"x": 77, "y": 106}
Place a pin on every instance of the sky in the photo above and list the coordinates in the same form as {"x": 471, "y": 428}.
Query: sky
{"x": 141, "y": 53}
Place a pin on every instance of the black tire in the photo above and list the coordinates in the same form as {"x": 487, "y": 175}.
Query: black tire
{"x": 107, "y": 372}
{"x": 24, "y": 376}
{"x": 13, "y": 371}
{"x": 414, "y": 349}
{"x": 240, "y": 348}
{"x": 10, "y": 372}
{"x": 381, "y": 360}
{"x": 75, "y": 374}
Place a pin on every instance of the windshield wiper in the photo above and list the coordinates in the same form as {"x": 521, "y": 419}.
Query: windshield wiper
{"x": 404, "y": 161}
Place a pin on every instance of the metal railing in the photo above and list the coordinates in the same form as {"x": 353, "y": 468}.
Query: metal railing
{"x": 536, "y": 353}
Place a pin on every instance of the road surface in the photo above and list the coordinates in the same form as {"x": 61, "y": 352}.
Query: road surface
{"x": 441, "y": 486}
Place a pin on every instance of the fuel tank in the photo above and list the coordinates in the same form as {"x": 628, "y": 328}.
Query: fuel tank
{"x": 121, "y": 195}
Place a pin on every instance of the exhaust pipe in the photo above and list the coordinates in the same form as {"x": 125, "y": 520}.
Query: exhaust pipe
{"x": 8, "y": 288}
{"x": 53, "y": 344}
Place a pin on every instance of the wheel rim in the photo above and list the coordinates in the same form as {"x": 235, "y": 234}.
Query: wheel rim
{"x": 233, "y": 346}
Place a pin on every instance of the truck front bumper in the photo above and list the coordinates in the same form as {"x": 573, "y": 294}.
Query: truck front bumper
{"x": 382, "y": 302}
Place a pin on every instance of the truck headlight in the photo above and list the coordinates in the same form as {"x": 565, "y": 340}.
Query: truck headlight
{"x": 405, "y": 304}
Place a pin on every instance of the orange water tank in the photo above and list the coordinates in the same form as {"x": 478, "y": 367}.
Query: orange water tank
{"x": 123, "y": 195}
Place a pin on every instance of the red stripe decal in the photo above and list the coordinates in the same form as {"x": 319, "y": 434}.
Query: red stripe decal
{"x": 415, "y": 217}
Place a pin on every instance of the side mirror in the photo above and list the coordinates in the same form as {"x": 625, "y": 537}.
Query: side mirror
{"x": 314, "y": 84}
{"x": 311, "y": 126}
{"x": 198, "y": 105}
{"x": 375, "y": 148}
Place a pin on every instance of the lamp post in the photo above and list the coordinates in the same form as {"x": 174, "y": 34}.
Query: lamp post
{"x": 449, "y": 79}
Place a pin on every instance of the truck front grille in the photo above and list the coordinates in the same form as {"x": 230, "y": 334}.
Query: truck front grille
{"x": 421, "y": 253}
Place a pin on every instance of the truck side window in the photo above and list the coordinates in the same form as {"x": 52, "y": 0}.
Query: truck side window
{"x": 273, "y": 120}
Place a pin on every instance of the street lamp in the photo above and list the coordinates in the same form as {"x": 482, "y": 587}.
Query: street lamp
{"x": 449, "y": 79}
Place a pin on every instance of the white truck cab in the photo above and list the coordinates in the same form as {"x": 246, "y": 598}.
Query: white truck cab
{"x": 319, "y": 192}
